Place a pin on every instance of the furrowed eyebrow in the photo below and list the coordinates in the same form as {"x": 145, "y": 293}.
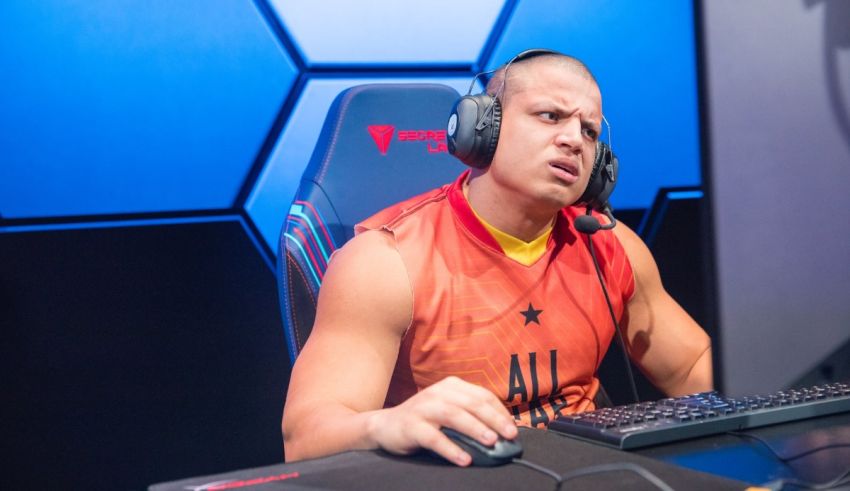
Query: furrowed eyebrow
{"x": 592, "y": 125}
{"x": 563, "y": 111}
{"x": 549, "y": 106}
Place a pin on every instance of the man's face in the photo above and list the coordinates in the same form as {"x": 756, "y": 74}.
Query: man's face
{"x": 550, "y": 124}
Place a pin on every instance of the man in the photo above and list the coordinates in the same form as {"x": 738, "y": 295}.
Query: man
{"x": 476, "y": 306}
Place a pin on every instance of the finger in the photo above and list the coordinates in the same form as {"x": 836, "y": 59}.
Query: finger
{"x": 498, "y": 418}
{"x": 461, "y": 420}
{"x": 482, "y": 395}
{"x": 485, "y": 406}
{"x": 488, "y": 409}
{"x": 433, "y": 439}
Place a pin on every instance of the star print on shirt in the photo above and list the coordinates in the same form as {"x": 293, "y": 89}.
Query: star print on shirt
{"x": 531, "y": 315}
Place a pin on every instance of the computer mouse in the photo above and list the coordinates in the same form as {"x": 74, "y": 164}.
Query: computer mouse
{"x": 502, "y": 452}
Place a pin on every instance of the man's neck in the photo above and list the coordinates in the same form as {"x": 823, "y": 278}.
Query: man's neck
{"x": 506, "y": 212}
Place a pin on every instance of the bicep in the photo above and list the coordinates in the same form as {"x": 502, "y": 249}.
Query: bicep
{"x": 364, "y": 306}
{"x": 664, "y": 341}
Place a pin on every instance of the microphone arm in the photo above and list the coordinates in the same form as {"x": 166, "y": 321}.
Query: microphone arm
{"x": 588, "y": 224}
{"x": 610, "y": 214}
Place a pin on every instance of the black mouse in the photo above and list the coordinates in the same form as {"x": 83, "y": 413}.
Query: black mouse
{"x": 502, "y": 452}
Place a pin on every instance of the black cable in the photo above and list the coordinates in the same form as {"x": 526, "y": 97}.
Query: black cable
{"x": 539, "y": 468}
{"x": 597, "y": 469}
{"x": 791, "y": 457}
{"x": 614, "y": 319}
{"x": 621, "y": 466}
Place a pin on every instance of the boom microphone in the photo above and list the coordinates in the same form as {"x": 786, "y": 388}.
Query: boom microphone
{"x": 588, "y": 224}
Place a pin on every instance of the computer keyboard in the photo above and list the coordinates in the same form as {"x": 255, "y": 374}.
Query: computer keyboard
{"x": 706, "y": 413}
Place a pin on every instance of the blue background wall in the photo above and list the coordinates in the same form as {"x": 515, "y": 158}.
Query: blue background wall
{"x": 139, "y": 107}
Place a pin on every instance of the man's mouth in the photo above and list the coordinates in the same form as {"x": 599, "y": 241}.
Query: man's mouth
{"x": 565, "y": 170}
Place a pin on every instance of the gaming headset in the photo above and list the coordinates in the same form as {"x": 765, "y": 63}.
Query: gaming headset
{"x": 473, "y": 134}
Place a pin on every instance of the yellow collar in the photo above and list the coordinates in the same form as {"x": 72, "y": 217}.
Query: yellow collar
{"x": 525, "y": 253}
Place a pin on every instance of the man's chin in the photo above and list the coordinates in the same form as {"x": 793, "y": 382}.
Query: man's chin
{"x": 556, "y": 201}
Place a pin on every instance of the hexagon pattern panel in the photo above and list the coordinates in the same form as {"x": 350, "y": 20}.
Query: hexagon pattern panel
{"x": 121, "y": 107}
{"x": 389, "y": 31}
{"x": 158, "y": 106}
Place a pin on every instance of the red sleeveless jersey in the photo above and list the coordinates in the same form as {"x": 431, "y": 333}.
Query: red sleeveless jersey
{"x": 533, "y": 335}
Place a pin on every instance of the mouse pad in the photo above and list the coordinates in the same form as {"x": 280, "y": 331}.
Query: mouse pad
{"x": 369, "y": 470}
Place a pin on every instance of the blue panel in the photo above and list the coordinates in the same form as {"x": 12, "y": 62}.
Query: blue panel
{"x": 735, "y": 462}
{"x": 684, "y": 195}
{"x": 643, "y": 55}
{"x": 389, "y": 31}
{"x": 119, "y": 106}
{"x": 269, "y": 202}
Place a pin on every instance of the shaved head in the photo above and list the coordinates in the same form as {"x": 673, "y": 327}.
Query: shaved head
{"x": 518, "y": 70}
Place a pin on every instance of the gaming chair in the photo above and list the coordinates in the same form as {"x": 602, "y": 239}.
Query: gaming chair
{"x": 380, "y": 144}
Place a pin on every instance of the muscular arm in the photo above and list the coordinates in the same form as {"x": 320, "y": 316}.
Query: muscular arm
{"x": 669, "y": 347}
{"x": 340, "y": 379}
{"x": 344, "y": 369}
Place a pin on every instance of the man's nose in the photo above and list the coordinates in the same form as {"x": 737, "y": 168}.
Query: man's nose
{"x": 569, "y": 134}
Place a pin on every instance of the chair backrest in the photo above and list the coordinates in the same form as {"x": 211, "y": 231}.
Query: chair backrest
{"x": 380, "y": 144}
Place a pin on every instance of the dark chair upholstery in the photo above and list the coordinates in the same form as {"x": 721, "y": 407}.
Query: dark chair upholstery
{"x": 380, "y": 144}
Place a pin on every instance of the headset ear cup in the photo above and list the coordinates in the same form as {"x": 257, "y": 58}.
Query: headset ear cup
{"x": 472, "y": 146}
{"x": 592, "y": 188}
{"x": 492, "y": 134}
{"x": 610, "y": 168}
{"x": 603, "y": 177}
{"x": 461, "y": 128}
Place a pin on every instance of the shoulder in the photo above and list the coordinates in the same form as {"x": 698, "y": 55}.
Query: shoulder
{"x": 366, "y": 284}
{"x": 392, "y": 215}
{"x": 646, "y": 276}
{"x": 636, "y": 250}
{"x": 362, "y": 254}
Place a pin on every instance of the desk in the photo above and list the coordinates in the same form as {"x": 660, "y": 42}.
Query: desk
{"x": 369, "y": 470}
{"x": 693, "y": 465}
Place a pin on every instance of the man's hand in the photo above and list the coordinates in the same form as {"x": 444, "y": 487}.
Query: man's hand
{"x": 451, "y": 402}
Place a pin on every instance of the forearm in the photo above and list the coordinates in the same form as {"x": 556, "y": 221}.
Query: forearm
{"x": 698, "y": 378}
{"x": 403, "y": 429}
{"x": 311, "y": 433}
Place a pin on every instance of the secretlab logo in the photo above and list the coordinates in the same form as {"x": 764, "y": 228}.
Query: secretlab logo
{"x": 382, "y": 134}
{"x": 435, "y": 140}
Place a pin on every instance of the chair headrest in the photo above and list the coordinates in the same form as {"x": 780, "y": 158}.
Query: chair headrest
{"x": 380, "y": 144}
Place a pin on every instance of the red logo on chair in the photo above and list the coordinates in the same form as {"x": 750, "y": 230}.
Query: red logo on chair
{"x": 382, "y": 134}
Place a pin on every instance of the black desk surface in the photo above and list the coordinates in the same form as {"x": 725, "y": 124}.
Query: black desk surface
{"x": 693, "y": 465}
{"x": 378, "y": 470}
